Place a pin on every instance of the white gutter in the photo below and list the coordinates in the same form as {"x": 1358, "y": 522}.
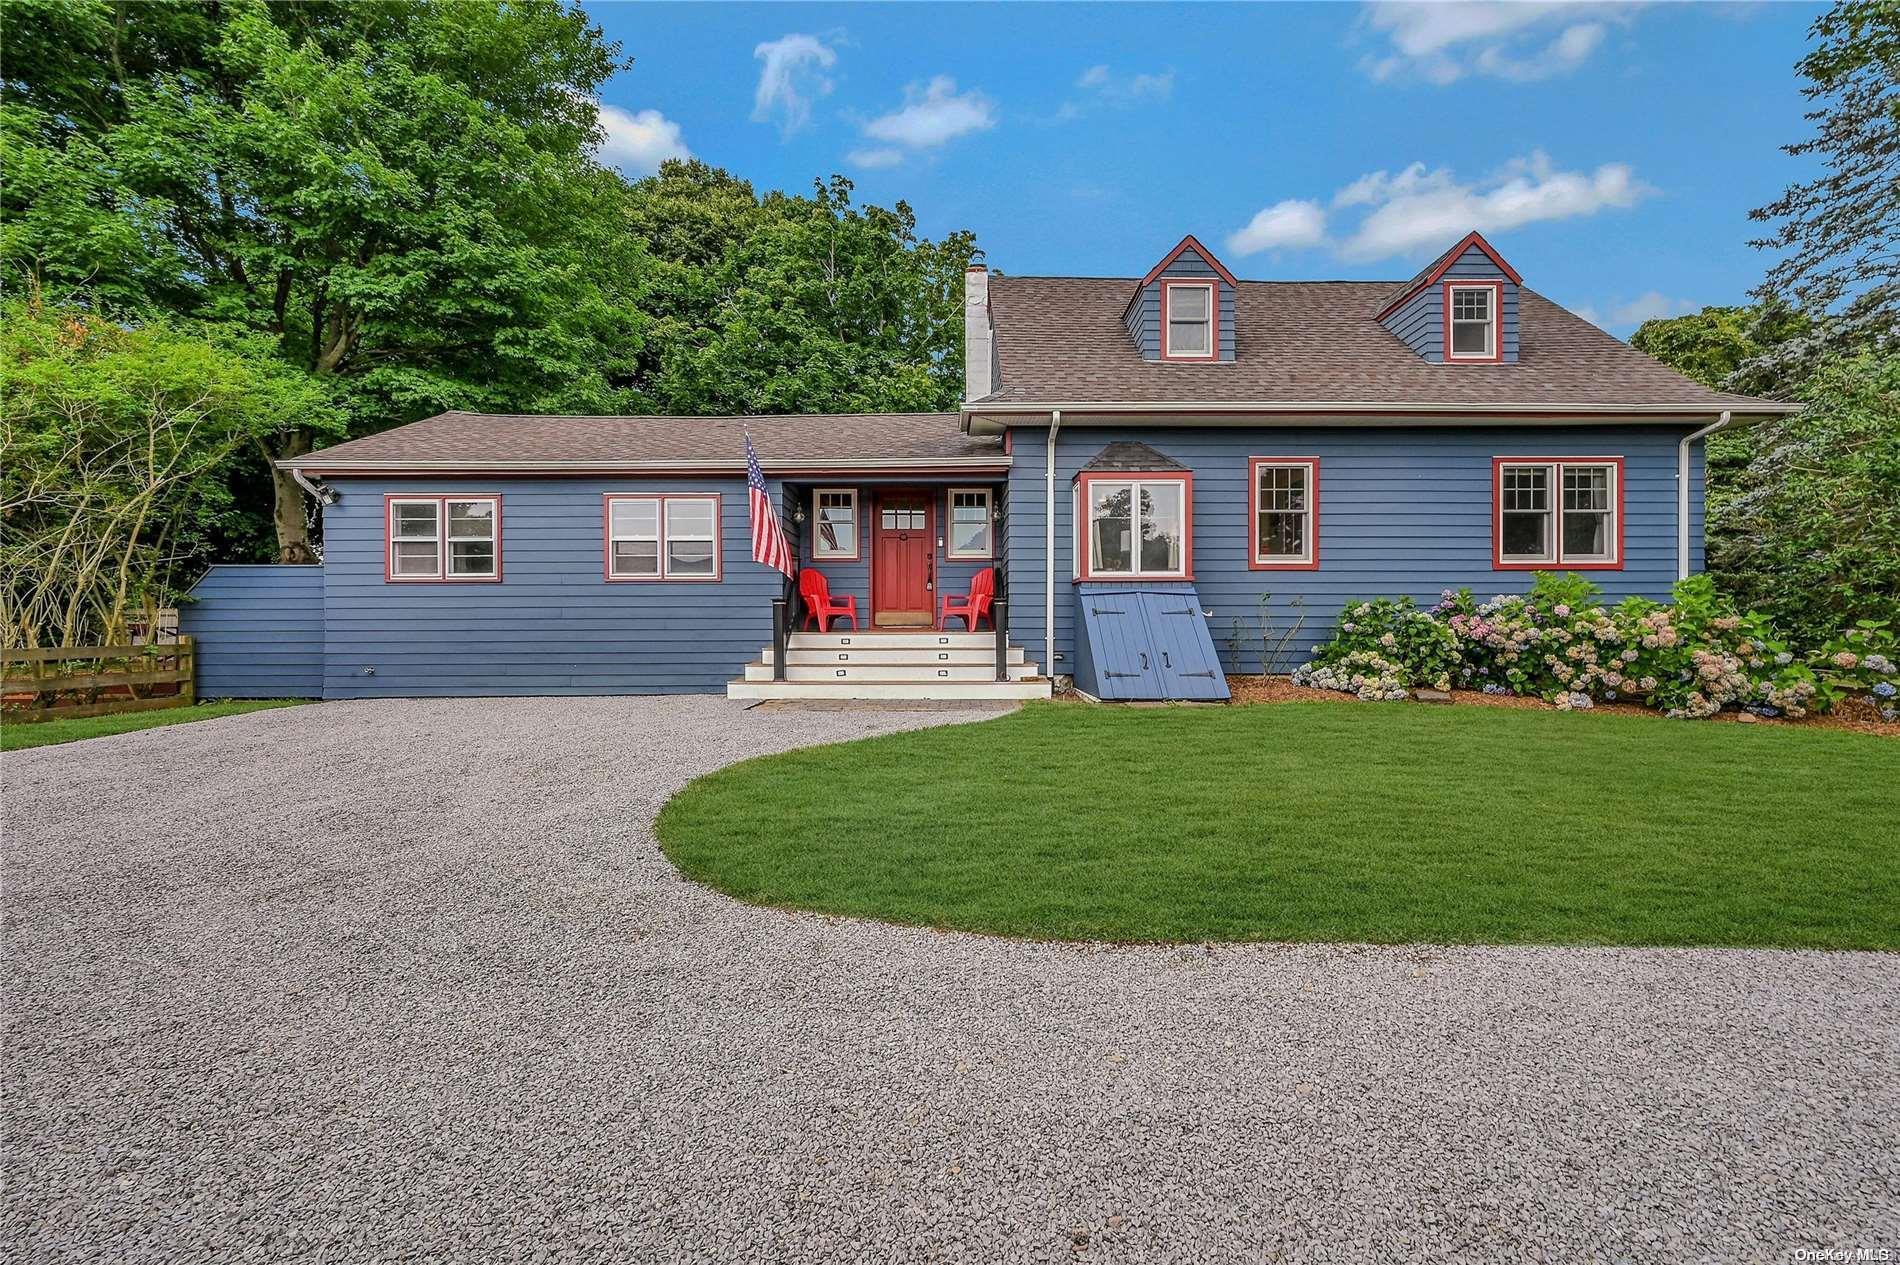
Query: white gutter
{"x": 1682, "y": 490}
{"x": 1049, "y": 554}
{"x": 1371, "y": 408}
{"x": 952, "y": 465}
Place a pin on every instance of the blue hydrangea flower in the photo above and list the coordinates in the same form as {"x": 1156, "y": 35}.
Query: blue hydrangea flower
{"x": 1886, "y": 689}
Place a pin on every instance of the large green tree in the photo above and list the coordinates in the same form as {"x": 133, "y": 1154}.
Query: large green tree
{"x": 400, "y": 194}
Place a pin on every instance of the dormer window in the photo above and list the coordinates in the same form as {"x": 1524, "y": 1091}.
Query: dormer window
{"x": 1471, "y": 320}
{"x": 1190, "y": 325}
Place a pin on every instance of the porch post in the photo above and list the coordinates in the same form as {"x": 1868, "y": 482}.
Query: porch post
{"x": 999, "y": 620}
{"x": 779, "y": 605}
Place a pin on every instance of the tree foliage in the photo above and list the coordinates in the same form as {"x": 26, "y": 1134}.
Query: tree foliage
{"x": 114, "y": 443}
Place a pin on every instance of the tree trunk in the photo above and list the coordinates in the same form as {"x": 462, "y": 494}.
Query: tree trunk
{"x": 287, "y": 503}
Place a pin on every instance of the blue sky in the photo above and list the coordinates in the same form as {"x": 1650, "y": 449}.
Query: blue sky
{"x": 1610, "y": 152}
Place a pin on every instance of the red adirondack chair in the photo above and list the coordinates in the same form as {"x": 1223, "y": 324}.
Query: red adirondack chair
{"x": 975, "y": 606}
{"x": 820, "y": 607}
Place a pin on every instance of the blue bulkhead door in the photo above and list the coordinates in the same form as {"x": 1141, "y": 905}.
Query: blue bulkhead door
{"x": 1125, "y": 668}
{"x": 1182, "y": 646}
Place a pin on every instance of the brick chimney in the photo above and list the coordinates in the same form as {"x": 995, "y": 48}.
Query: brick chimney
{"x": 978, "y": 334}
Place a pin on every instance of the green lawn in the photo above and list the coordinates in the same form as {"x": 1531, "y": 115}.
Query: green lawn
{"x": 1394, "y": 823}
{"x": 14, "y": 737}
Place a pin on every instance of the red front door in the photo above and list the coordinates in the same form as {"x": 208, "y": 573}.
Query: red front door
{"x": 902, "y": 547}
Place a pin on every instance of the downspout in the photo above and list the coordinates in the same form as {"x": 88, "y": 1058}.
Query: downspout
{"x": 1682, "y": 491}
{"x": 1049, "y": 554}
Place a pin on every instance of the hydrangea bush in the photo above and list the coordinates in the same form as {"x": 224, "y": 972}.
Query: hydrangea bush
{"x": 1690, "y": 658}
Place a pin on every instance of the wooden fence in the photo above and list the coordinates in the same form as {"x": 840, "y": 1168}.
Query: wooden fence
{"x": 56, "y": 682}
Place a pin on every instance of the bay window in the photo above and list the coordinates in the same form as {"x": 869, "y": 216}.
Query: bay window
{"x": 1135, "y": 526}
{"x": 662, "y": 537}
{"x": 443, "y": 538}
{"x": 1558, "y": 512}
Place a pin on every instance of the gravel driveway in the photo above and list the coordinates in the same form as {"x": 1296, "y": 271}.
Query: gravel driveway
{"x": 410, "y": 980}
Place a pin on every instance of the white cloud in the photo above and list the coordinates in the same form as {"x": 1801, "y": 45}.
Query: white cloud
{"x": 1506, "y": 39}
{"x": 638, "y": 143}
{"x": 1418, "y": 209}
{"x": 792, "y": 75}
{"x": 1292, "y": 223}
{"x": 1101, "y": 86}
{"x": 875, "y": 157}
{"x": 1649, "y": 307}
{"x": 933, "y": 114}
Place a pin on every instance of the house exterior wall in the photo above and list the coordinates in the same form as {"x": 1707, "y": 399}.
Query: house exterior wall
{"x": 259, "y": 631}
{"x": 1143, "y": 318}
{"x": 553, "y": 624}
{"x": 1420, "y": 322}
{"x": 1401, "y": 511}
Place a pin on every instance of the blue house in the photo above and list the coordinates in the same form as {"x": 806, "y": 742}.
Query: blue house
{"x": 1154, "y": 474}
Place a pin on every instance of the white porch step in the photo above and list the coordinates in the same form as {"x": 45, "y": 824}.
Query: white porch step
{"x": 899, "y": 670}
{"x": 922, "y": 638}
{"x": 921, "y": 691}
{"x": 796, "y": 655}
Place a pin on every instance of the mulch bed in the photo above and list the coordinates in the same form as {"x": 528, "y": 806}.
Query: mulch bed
{"x": 1858, "y": 715}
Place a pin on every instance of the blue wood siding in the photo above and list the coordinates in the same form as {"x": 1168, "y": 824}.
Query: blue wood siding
{"x": 1401, "y": 511}
{"x": 259, "y": 631}
{"x": 844, "y": 576}
{"x": 1420, "y": 322}
{"x": 554, "y": 624}
{"x": 1143, "y": 318}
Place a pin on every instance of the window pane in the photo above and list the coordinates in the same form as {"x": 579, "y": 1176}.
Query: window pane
{"x": 1161, "y": 526}
{"x": 837, "y": 524}
{"x": 1471, "y": 337}
{"x": 1188, "y": 303}
{"x": 1526, "y": 487}
{"x": 1526, "y": 535}
{"x": 472, "y": 520}
{"x": 1586, "y": 488}
{"x": 636, "y": 518}
{"x": 1185, "y": 336}
{"x": 689, "y": 557}
{"x": 1282, "y": 535}
{"x": 689, "y": 518}
{"x": 1471, "y": 305}
{"x": 1111, "y": 530}
{"x": 1586, "y": 534}
{"x": 1282, "y": 488}
{"x": 968, "y": 537}
{"x": 471, "y": 557}
{"x": 636, "y": 557}
{"x": 413, "y": 557}
{"x": 415, "y": 520}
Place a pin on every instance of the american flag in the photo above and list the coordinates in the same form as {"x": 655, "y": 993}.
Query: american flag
{"x": 768, "y": 538}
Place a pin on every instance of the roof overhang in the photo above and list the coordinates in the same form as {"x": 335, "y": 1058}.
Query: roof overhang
{"x": 917, "y": 466}
{"x": 993, "y": 419}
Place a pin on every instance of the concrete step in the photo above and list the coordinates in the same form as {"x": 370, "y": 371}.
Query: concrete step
{"x": 912, "y": 671}
{"x": 921, "y": 691}
{"x": 933, "y": 653}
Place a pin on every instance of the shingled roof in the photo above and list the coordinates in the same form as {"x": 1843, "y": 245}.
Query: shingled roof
{"x": 1061, "y": 340}
{"x": 785, "y": 443}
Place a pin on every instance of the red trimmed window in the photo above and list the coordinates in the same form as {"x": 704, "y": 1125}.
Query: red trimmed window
{"x": 1136, "y": 526}
{"x": 1474, "y": 325}
{"x": 1557, "y": 512}
{"x": 662, "y": 537}
{"x": 969, "y": 534}
{"x": 1284, "y": 512}
{"x": 834, "y": 524}
{"x": 1190, "y": 320}
{"x": 442, "y": 539}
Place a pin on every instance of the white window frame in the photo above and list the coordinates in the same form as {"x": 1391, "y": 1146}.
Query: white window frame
{"x": 442, "y": 573}
{"x": 1085, "y": 500}
{"x": 663, "y": 526}
{"x": 1310, "y": 536}
{"x": 1494, "y": 303}
{"x": 819, "y": 552}
{"x": 950, "y": 549}
{"x": 1168, "y": 287}
{"x": 1556, "y": 555}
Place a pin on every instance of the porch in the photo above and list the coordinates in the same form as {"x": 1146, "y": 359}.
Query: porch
{"x": 865, "y": 615}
